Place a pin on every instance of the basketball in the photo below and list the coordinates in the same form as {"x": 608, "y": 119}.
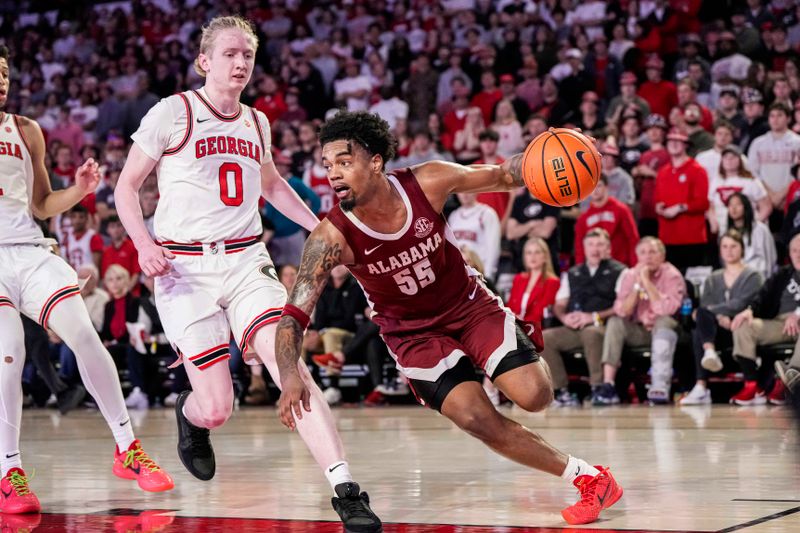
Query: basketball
{"x": 561, "y": 167}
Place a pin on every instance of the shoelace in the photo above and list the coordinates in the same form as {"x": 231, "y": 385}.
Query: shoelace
{"x": 587, "y": 495}
{"x": 20, "y": 483}
{"x": 355, "y": 507}
{"x": 138, "y": 454}
{"x": 201, "y": 445}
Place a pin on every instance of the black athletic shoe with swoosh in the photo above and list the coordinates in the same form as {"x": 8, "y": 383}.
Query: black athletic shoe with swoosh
{"x": 194, "y": 444}
{"x": 353, "y": 508}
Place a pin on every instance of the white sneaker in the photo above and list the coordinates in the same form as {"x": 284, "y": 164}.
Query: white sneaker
{"x": 171, "y": 399}
{"x": 699, "y": 395}
{"x": 52, "y": 401}
{"x": 332, "y": 395}
{"x": 137, "y": 399}
{"x": 711, "y": 361}
{"x": 397, "y": 387}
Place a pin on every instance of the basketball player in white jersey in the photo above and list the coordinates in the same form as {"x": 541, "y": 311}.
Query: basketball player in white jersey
{"x": 39, "y": 284}
{"x": 213, "y": 275}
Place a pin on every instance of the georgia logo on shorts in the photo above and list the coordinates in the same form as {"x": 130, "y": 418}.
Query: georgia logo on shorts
{"x": 422, "y": 227}
{"x": 269, "y": 271}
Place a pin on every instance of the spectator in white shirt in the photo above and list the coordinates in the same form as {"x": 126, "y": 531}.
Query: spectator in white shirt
{"x": 772, "y": 155}
{"x": 710, "y": 159}
{"x": 353, "y": 89}
{"x": 476, "y": 225}
{"x": 390, "y": 108}
{"x": 732, "y": 176}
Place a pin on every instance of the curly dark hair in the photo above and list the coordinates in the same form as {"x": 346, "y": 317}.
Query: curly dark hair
{"x": 367, "y": 129}
{"x": 4, "y": 52}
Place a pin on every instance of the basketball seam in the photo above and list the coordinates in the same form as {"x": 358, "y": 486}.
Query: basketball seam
{"x": 574, "y": 174}
{"x": 544, "y": 173}
{"x": 594, "y": 158}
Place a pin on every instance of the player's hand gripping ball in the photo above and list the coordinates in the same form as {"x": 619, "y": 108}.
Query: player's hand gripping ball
{"x": 561, "y": 167}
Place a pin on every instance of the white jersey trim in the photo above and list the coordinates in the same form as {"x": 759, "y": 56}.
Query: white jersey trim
{"x": 386, "y": 236}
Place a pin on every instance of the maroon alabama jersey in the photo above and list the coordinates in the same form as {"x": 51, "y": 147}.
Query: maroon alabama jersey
{"x": 416, "y": 275}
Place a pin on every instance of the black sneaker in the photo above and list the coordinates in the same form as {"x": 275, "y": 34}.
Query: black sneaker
{"x": 194, "y": 444}
{"x": 605, "y": 394}
{"x": 70, "y": 399}
{"x": 353, "y": 509}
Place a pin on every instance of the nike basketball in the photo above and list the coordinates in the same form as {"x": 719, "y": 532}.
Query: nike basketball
{"x": 561, "y": 167}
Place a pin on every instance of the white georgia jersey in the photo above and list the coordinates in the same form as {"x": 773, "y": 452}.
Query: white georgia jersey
{"x": 17, "y": 225}
{"x": 478, "y": 228}
{"x": 209, "y": 168}
{"x": 78, "y": 250}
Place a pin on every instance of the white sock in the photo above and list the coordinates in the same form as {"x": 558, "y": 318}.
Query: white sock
{"x": 338, "y": 473}
{"x": 123, "y": 434}
{"x": 710, "y": 352}
{"x": 7, "y": 463}
{"x": 576, "y": 468}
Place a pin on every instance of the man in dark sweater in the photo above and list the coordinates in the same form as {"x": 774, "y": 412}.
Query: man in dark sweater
{"x": 773, "y": 317}
{"x": 337, "y": 316}
{"x": 584, "y": 301}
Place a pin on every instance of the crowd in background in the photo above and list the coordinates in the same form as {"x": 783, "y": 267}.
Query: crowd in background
{"x": 695, "y": 105}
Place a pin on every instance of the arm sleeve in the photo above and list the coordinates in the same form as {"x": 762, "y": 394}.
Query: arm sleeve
{"x": 164, "y": 126}
{"x": 698, "y": 192}
{"x": 96, "y": 243}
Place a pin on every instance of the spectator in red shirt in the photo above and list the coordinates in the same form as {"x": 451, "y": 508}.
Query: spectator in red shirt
{"x": 121, "y": 252}
{"x": 535, "y": 289}
{"x": 660, "y": 94}
{"x": 645, "y": 173}
{"x": 614, "y": 217}
{"x": 270, "y": 101}
{"x": 499, "y": 201}
{"x": 681, "y": 202}
{"x": 488, "y": 96}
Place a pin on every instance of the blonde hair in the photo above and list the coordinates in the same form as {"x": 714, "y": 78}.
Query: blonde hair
{"x": 212, "y": 29}
{"x": 549, "y": 272}
{"x": 118, "y": 270}
{"x": 472, "y": 259}
{"x": 658, "y": 243}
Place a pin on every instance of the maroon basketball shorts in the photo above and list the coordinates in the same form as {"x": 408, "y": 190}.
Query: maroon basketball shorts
{"x": 438, "y": 354}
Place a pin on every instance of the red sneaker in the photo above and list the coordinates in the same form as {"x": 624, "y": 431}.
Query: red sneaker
{"x": 777, "y": 396}
{"x": 329, "y": 362}
{"x": 134, "y": 463}
{"x": 17, "y": 497}
{"x": 374, "y": 399}
{"x": 751, "y": 394}
{"x": 597, "y": 493}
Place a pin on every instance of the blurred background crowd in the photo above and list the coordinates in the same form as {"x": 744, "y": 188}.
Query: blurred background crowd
{"x": 682, "y": 257}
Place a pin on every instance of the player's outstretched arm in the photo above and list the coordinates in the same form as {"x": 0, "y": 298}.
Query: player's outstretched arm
{"x": 153, "y": 259}
{"x": 45, "y": 202}
{"x": 439, "y": 179}
{"x": 324, "y": 250}
{"x": 279, "y": 193}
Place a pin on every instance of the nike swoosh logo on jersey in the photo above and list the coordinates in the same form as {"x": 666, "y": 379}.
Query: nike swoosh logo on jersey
{"x": 580, "y": 155}
{"x": 531, "y": 331}
{"x": 474, "y": 290}
{"x": 367, "y": 252}
{"x": 199, "y": 121}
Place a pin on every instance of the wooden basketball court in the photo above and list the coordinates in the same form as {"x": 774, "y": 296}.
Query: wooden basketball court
{"x": 715, "y": 468}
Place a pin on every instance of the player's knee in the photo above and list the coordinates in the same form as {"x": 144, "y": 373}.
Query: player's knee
{"x": 537, "y": 398}
{"x": 215, "y": 413}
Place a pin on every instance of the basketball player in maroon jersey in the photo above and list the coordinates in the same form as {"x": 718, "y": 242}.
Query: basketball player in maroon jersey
{"x": 435, "y": 314}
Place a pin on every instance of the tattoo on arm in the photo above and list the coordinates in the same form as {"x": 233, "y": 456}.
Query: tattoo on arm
{"x": 514, "y": 166}
{"x": 319, "y": 258}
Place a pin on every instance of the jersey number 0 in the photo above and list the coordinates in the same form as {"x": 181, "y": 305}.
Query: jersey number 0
{"x": 231, "y": 191}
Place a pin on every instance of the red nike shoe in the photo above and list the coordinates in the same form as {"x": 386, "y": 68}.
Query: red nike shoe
{"x": 597, "y": 493}
{"x": 329, "y": 362}
{"x": 134, "y": 463}
{"x": 17, "y": 497}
